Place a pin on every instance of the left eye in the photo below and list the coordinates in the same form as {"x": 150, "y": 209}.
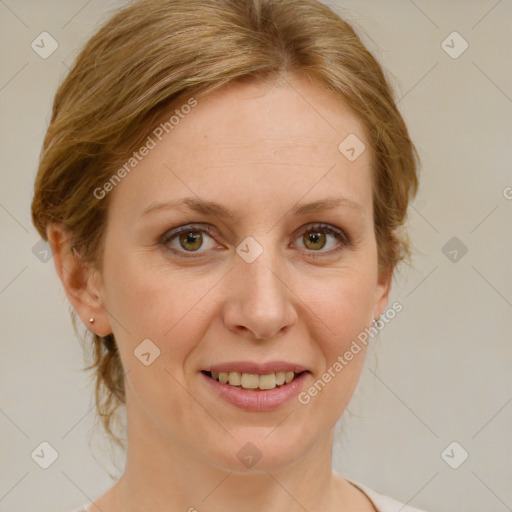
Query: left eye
{"x": 317, "y": 238}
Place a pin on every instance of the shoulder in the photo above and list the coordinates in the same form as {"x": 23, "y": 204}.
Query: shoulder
{"x": 382, "y": 502}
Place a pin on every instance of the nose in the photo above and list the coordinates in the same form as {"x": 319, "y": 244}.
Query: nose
{"x": 259, "y": 302}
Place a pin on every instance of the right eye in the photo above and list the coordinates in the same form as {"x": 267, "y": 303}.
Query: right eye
{"x": 188, "y": 239}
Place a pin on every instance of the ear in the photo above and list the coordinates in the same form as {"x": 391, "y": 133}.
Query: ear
{"x": 81, "y": 282}
{"x": 382, "y": 292}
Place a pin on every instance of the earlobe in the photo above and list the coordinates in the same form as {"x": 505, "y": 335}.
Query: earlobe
{"x": 79, "y": 281}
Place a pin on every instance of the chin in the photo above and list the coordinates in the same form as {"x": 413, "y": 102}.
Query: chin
{"x": 253, "y": 450}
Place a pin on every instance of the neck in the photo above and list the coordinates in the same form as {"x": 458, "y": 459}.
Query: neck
{"x": 163, "y": 476}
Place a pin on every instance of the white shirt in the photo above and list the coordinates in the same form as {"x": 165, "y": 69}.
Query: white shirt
{"x": 381, "y": 502}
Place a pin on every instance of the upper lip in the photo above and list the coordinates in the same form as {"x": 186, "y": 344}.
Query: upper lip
{"x": 258, "y": 368}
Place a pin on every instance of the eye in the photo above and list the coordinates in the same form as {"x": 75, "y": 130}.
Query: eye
{"x": 316, "y": 237}
{"x": 189, "y": 239}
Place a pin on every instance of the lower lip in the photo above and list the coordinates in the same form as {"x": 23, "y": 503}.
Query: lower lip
{"x": 249, "y": 400}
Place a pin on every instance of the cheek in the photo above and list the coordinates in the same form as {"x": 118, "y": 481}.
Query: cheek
{"x": 158, "y": 303}
{"x": 343, "y": 303}
{"x": 166, "y": 308}
{"x": 341, "y": 310}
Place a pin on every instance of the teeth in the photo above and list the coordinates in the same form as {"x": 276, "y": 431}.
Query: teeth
{"x": 253, "y": 380}
{"x": 267, "y": 381}
{"x": 249, "y": 380}
{"x": 235, "y": 378}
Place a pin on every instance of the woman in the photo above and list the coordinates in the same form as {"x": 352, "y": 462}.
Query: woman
{"x": 223, "y": 184}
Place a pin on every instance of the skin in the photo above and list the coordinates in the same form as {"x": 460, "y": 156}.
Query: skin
{"x": 257, "y": 149}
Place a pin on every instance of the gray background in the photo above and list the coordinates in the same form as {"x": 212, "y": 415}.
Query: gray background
{"x": 440, "y": 372}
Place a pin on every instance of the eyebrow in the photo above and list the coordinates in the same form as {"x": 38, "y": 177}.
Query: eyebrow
{"x": 215, "y": 209}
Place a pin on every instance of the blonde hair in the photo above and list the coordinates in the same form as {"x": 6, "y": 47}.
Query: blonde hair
{"x": 152, "y": 53}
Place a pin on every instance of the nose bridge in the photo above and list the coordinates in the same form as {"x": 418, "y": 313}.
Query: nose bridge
{"x": 258, "y": 300}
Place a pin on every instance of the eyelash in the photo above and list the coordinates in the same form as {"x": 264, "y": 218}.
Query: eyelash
{"x": 343, "y": 239}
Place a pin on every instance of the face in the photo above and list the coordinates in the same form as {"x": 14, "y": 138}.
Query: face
{"x": 243, "y": 242}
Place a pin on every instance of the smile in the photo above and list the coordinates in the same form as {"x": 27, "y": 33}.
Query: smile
{"x": 253, "y": 380}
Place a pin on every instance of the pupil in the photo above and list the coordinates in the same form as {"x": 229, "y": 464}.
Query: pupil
{"x": 316, "y": 238}
{"x": 192, "y": 239}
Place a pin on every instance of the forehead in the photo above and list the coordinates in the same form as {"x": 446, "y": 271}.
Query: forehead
{"x": 290, "y": 115}
{"x": 281, "y": 140}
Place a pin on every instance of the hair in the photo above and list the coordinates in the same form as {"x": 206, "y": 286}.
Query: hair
{"x": 145, "y": 59}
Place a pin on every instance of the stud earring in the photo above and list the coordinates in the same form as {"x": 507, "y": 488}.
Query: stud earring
{"x": 91, "y": 320}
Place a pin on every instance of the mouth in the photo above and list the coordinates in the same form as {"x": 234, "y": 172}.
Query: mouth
{"x": 254, "y": 381}
{"x": 256, "y": 386}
